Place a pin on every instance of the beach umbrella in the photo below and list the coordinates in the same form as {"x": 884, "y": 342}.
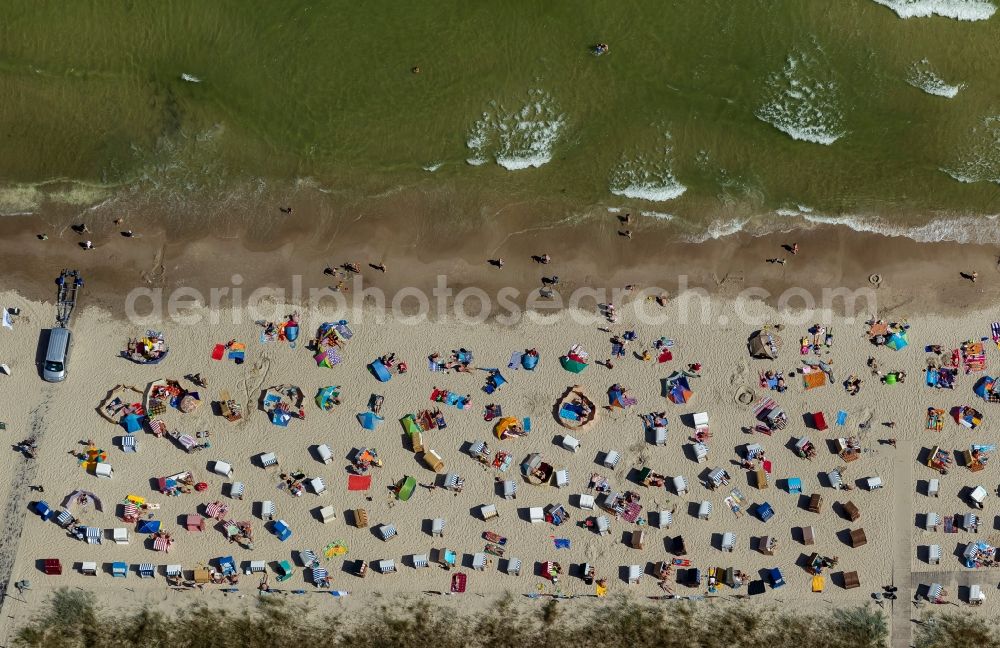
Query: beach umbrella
{"x": 326, "y": 395}
{"x": 615, "y": 397}
{"x": 984, "y": 386}
{"x": 406, "y": 488}
{"x": 897, "y": 341}
{"x": 132, "y": 423}
{"x": 571, "y": 365}
{"x": 147, "y": 526}
{"x": 380, "y": 371}
{"x": 369, "y": 420}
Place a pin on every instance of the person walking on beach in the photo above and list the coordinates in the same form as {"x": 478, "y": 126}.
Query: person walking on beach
{"x": 974, "y": 276}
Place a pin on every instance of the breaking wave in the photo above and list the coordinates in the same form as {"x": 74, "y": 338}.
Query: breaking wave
{"x": 516, "y": 139}
{"x": 980, "y": 162}
{"x": 921, "y": 76}
{"x": 647, "y": 177}
{"x": 803, "y": 100}
{"x": 957, "y": 9}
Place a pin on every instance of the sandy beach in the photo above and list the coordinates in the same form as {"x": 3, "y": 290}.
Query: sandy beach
{"x": 62, "y": 417}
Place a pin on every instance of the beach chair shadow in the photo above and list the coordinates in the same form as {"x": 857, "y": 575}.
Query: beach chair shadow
{"x": 920, "y": 520}
{"x": 716, "y": 541}
{"x": 803, "y": 562}
{"x": 798, "y": 535}
{"x": 844, "y": 535}
{"x": 314, "y": 453}
{"x": 924, "y": 553}
{"x": 687, "y": 420}
{"x": 923, "y": 456}
{"x": 996, "y": 523}
{"x": 959, "y": 552}
{"x": 688, "y": 449}
{"x": 790, "y": 444}
{"x": 921, "y": 592}
{"x": 623, "y": 573}
{"x": 693, "y": 509}
{"x": 633, "y": 476}
{"x": 831, "y": 445}
{"x": 837, "y": 578}
{"x": 838, "y": 510}
{"x": 756, "y": 587}
{"x": 924, "y": 487}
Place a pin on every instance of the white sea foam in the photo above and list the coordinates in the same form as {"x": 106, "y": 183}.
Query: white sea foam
{"x": 719, "y": 229}
{"x": 647, "y": 177}
{"x": 957, "y": 9}
{"x": 614, "y": 210}
{"x": 431, "y": 168}
{"x": 803, "y": 100}
{"x": 960, "y": 229}
{"x": 923, "y": 77}
{"x": 658, "y": 215}
{"x": 980, "y": 160}
{"x": 190, "y": 78}
{"x": 518, "y": 139}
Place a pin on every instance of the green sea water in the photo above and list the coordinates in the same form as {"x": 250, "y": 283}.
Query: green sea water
{"x": 707, "y": 112}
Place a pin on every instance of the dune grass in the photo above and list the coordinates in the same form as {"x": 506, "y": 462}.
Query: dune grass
{"x": 72, "y": 619}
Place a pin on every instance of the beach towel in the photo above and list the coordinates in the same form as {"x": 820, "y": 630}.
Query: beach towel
{"x": 561, "y": 543}
{"x": 359, "y": 482}
{"x": 841, "y": 418}
{"x": 515, "y": 360}
{"x": 433, "y": 366}
{"x": 7, "y": 323}
{"x": 218, "y": 351}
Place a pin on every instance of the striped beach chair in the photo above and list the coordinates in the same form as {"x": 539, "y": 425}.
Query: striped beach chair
{"x": 317, "y": 485}
{"x": 64, "y": 519}
{"x": 267, "y": 510}
{"x": 387, "y": 566}
{"x": 268, "y": 459}
{"x": 147, "y": 570}
{"x": 157, "y": 427}
{"x": 320, "y": 577}
{"x": 173, "y": 570}
{"x": 419, "y": 561}
{"x": 129, "y": 443}
{"x": 437, "y": 527}
{"x": 387, "y": 532}
{"x": 308, "y": 558}
{"x": 513, "y": 566}
{"x": 94, "y": 535}
{"x": 236, "y": 490}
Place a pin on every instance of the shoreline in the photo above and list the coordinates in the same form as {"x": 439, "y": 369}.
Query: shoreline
{"x": 420, "y": 235}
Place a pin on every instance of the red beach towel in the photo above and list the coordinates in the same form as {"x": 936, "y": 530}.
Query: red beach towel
{"x": 218, "y": 351}
{"x": 359, "y": 482}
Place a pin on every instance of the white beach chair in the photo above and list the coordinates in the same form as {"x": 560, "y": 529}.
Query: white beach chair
{"x": 268, "y": 510}
{"x": 611, "y": 458}
{"x": 510, "y": 489}
{"x": 120, "y": 535}
{"x": 680, "y": 485}
{"x": 267, "y": 459}
{"x": 536, "y": 514}
{"x": 562, "y": 478}
{"x": 513, "y": 566}
{"x": 934, "y": 554}
{"x": 660, "y": 436}
{"x": 88, "y": 568}
{"x": 634, "y": 574}
{"x": 603, "y": 525}
{"x": 222, "y": 468}
{"x": 664, "y": 519}
{"x": 317, "y": 485}
{"x": 327, "y": 513}
{"x": 704, "y": 510}
{"x": 479, "y": 561}
{"x": 700, "y": 451}
{"x": 586, "y": 501}
{"x": 387, "y": 566}
{"x": 437, "y": 527}
{"x": 419, "y": 561}
{"x": 933, "y": 488}
{"x": 324, "y": 453}
{"x": 104, "y": 470}
{"x": 570, "y": 443}
{"x": 728, "y": 541}
{"x": 488, "y": 511}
